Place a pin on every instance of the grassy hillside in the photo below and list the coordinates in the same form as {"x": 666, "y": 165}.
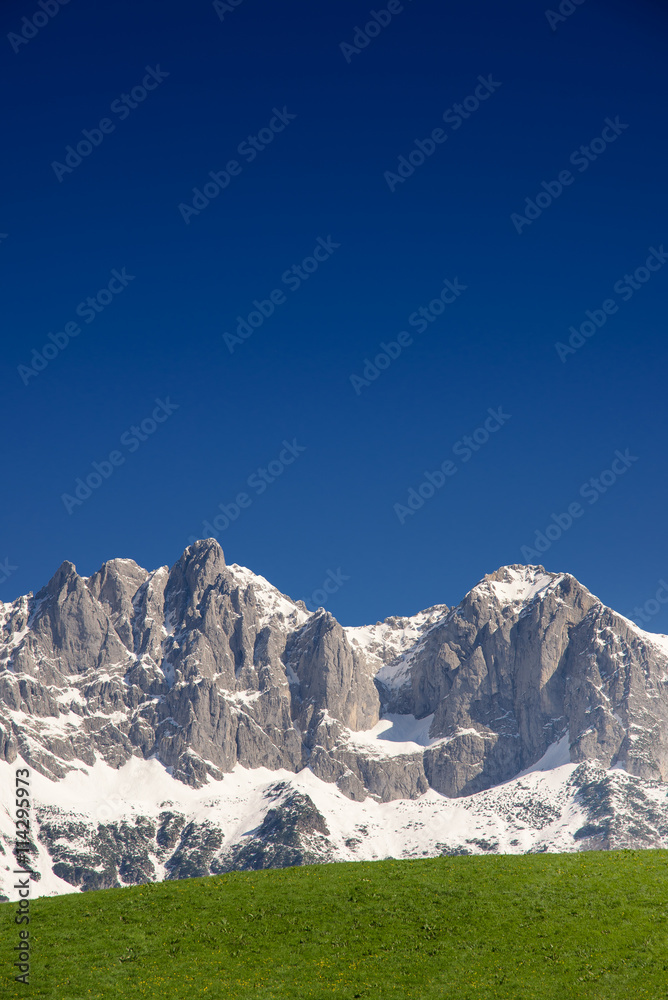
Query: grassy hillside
{"x": 592, "y": 925}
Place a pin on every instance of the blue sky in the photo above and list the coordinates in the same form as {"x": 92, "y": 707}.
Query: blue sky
{"x": 309, "y": 125}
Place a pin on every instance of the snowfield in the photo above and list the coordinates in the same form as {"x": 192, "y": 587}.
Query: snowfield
{"x": 539, "y": 810}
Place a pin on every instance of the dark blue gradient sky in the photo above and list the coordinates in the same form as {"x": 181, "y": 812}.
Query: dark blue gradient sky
{"x": 331, "y": 173}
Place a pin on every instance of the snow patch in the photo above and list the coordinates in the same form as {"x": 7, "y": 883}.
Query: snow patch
{"x": 272, "y": 604}
{"x": 394, "y": 735}
{"x": 519, "y": 584}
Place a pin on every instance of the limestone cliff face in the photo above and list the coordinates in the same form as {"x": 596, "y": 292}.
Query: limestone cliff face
{"x": 332, "y": 677}
{"x": 524, "y": 659}
{"x": 189, "y": 665}
{"x": 206, "y": 666}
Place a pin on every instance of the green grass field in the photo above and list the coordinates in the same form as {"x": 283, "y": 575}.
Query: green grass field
{"x": 590, "y": 925}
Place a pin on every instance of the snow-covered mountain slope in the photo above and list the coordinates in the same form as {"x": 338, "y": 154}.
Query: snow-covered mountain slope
{"x": 204, "y": 675}
{"x": 101, "y": 827}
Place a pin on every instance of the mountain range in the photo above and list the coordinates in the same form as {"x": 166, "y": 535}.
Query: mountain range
{"x": 195, "y": 720}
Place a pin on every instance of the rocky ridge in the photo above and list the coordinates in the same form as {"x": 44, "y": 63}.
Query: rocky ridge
{"x": 206, "y": 669}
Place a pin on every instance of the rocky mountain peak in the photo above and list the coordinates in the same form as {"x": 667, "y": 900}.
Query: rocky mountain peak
{"x": 202, "y": 564}
{"x": 207, "y": 665}
{"x": 63, "y": 580}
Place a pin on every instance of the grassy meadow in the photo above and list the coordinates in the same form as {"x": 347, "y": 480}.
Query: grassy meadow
{"x": 532, "y": 927}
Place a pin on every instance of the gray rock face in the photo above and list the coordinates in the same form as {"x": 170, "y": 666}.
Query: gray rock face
{"x": 506, "y": 679}
{"x": 331, "y": 677}
{"x": 206, "y": 666}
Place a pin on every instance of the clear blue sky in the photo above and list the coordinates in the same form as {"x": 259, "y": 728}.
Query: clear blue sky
{"x": 306, "y": 137}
